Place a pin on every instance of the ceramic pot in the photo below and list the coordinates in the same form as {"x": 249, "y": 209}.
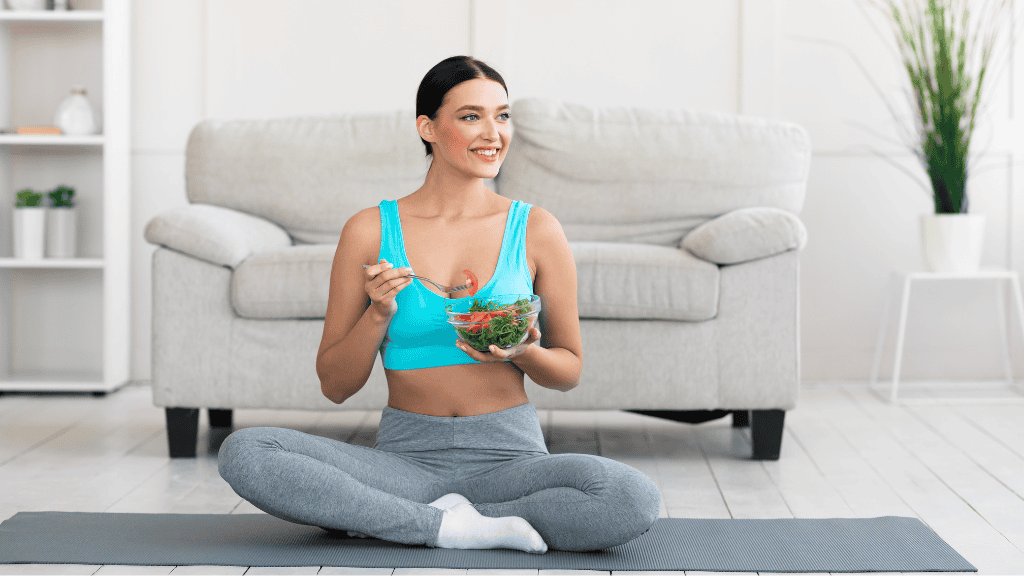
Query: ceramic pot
{"x": 75, "y": 116}
{"x": 29, "y": 225}
{"x": 60, "y": 232}
{"x": 952, "y": 243}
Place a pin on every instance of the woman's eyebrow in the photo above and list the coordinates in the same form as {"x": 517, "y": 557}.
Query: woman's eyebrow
{"x": 479, "y": 108}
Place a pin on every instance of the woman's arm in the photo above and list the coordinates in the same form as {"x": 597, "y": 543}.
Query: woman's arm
{"x": 558, "y": 361}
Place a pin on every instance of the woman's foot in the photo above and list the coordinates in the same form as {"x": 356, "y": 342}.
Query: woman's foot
{"x": 465, "y": 528}
{"x": 448, "y": 500}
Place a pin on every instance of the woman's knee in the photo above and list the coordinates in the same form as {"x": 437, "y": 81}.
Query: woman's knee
{"x": 635, "y": 499}
{"x": 237, "y": 452}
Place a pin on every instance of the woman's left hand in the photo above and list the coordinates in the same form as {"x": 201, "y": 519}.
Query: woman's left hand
{"x": 497, "y": 354}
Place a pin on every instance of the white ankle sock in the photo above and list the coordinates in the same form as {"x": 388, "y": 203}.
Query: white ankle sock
{"x": 464, "y": 528}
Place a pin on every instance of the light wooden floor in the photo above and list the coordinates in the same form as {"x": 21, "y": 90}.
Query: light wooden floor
{"x": 846, "y": 453}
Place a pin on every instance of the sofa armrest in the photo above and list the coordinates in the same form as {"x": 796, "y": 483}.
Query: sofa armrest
{"x": 216, "y": 234}
{"x": 746, "y": 234}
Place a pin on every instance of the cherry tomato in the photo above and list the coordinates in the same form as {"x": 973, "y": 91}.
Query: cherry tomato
{"x": 472, "y": 281}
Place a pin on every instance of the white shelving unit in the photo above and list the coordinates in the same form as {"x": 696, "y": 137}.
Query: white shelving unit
{"x": 64, "y": 323}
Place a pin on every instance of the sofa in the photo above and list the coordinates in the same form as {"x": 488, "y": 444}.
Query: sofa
{"x": 683, "y": 225}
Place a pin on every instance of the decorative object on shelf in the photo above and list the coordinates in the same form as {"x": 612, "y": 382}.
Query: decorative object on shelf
{"x": 38, "y": 130}
{"x": 75, "y": 116}
{"x": 60, "y": 223}
{"x": 61, "y": 5}
{"x": 939, "y": 47}
{"x": 27, "y": 4}
{"x": 29, "y": 225}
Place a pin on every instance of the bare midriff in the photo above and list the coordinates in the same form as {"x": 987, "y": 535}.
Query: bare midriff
{"x": 458, "y": 389}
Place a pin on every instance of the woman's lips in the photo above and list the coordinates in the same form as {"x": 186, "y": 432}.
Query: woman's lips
{"x": 491, "y": 158}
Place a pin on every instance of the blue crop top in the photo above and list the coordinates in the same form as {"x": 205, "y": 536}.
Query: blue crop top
{"x": 419, "y": 335}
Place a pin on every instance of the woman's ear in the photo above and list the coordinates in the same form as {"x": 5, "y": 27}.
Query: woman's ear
{"x": 426, "y": 128}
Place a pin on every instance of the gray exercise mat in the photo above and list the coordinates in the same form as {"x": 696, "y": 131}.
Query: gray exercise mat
{"x": 889, "y": 544}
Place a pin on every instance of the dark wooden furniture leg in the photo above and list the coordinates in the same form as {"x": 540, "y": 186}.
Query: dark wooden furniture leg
{"x": 220, "y": 417}
{"x": 182, "y": 431}
{"x": 766, "y": 433}
{"x": 740, "y": 418}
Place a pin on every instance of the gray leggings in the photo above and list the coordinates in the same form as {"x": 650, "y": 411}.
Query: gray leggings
{"x": 498, "y": 461}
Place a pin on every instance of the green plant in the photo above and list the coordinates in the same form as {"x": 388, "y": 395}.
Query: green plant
{"x": 28, "y": 198}
{"x": 60, "y": 197}
{"x": 939, "y": 51}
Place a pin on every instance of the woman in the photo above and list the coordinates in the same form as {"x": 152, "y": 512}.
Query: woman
{"x": 460, "y": 459}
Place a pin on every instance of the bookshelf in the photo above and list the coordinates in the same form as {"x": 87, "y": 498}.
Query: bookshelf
{"x": 64, "y": 323}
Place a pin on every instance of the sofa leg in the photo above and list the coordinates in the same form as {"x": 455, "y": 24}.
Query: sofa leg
{"x": 687, "y": 416}
{"x": 182, "y": 431}
{"x": 766, "y": 433}
{"x": 740, "y": 418}
{"x": 219, "y": 418}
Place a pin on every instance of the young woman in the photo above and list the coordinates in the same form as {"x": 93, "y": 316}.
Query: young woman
{"x": 460, "y": 459}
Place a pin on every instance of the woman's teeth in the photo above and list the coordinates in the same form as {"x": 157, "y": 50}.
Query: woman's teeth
{"x": 486, "y": 153}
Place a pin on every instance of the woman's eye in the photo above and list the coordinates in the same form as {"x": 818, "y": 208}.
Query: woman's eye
{"x": 506, "y": 114}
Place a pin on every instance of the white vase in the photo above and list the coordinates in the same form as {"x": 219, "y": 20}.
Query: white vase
{"x": 952, "y": 243}
{"x": 75, "y": 116}
{"x": 60, "y": 232}
{"x": 27, "y": 4}
{"x": 29, "y": 225}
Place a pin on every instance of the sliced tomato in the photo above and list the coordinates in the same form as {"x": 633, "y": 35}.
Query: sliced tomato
{"x": 472, "y": 281}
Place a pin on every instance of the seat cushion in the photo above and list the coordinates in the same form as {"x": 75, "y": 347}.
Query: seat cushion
{"x": 643, "y": 281}
{"x": 614, "y": 280}
{"x": 291, "y": 282}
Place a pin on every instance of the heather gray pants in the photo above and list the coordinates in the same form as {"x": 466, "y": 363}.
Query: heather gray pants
{"x": 498, "y": 461}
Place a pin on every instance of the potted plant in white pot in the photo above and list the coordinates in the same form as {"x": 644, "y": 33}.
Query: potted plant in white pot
{"x": 60, "y": 223}
{"x": 940, "y": 53}
{"x": 29, "y": 225}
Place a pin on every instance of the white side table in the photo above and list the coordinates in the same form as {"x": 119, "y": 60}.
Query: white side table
{"x": 907, "y": 278}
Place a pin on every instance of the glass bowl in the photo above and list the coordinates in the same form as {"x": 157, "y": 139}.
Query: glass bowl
{"x": 503, "y": 320}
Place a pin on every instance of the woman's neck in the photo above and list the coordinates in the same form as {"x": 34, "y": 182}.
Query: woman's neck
{"x": 452, "y": 196}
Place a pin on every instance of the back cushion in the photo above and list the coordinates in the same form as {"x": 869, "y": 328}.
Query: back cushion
{"x": 649, "y": 175}
{"x": 307, "y": 174}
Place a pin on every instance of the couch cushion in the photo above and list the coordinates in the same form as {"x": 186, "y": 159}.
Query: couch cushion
{"x": 288, "y": 283}
{"x": 649, "y": 175}
{"x": 643, "y": 281}
{"x": 614, "y": 280}
{"x": 307, "y": 174}
{"x": 746, "y": 234}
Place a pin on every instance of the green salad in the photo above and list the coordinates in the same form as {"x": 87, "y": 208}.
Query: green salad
{"x": 495, "y": 323}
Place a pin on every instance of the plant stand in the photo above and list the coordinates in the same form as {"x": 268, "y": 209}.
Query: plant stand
{"x": 906, "y": 278}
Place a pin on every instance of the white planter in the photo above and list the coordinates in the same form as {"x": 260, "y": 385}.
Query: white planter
{"x": 29, "y": 224}
{"x": 60, "y": 232}
{"x": 952, "y": 243}
{"x": 27, "y": 4}
{"x": 75, "y": 116}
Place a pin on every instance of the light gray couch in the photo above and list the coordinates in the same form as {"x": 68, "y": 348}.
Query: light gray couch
{"x": 683, "y": 226}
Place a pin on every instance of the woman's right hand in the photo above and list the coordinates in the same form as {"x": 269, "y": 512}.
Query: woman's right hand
{"x": 382, "y": 284}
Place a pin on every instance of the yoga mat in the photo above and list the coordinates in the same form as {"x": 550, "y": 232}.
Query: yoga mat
{"x": 889, "y": 543}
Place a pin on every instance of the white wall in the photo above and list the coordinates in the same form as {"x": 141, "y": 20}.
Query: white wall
{"x": 197, "y": 59}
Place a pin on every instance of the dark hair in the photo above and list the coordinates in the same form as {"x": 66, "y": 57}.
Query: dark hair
{"x": 444, "y": 76}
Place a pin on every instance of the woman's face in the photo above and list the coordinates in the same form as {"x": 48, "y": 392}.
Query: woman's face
{"x": 473, "y": 117}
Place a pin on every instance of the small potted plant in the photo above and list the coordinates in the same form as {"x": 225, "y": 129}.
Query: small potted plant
{"x": 60, "y": 223}
{"x": 946, "y": 56}
{"x": 29, "y": 225}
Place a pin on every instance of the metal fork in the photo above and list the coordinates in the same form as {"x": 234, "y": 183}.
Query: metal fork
{"x": 439, "y": 287}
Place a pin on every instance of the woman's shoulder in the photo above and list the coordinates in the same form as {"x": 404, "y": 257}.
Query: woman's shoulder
{"x": 362, "y": 229}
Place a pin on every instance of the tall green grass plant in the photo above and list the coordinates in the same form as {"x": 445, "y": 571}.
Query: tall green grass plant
{"x": 946, "y": 55}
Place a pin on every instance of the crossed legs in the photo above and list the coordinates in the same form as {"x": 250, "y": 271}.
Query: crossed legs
{"x": 573, "y": 501}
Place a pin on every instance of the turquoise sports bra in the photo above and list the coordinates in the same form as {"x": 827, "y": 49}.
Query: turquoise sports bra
{"x": 419, "y": 335}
